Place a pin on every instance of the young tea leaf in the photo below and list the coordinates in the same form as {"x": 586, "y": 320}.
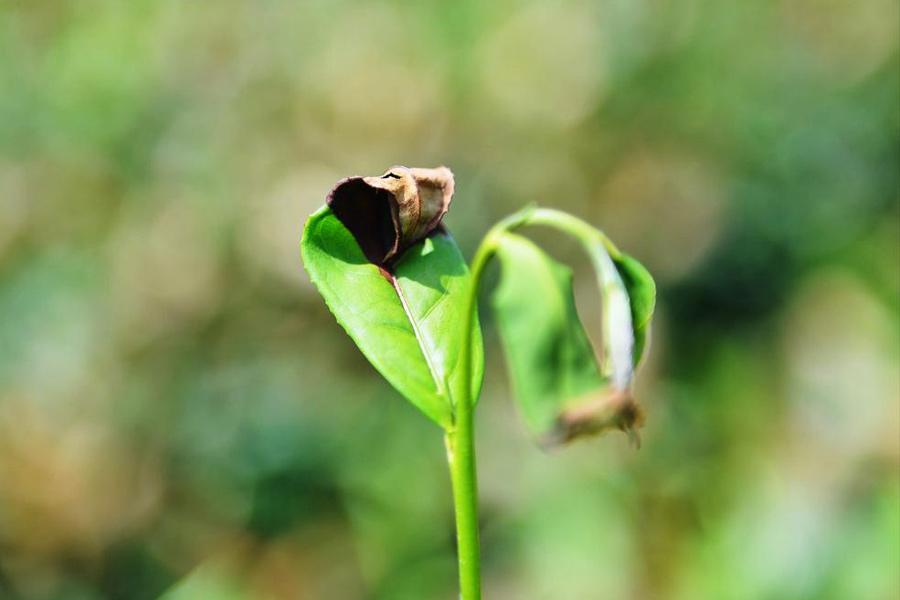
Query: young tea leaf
{"x": 548, "y": 353}
{"x": 625, "y": 286}
{"x": 407, "y": 321}
{"x": 627, "y": 294}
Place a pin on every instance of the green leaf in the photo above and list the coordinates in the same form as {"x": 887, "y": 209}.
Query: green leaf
{"x": 548, "y": 353}
{"x": 563, "y": 392}
{"x": 642, "y": 297}
{"x": 626, "y": 288}
{"x": 408, "y": 324}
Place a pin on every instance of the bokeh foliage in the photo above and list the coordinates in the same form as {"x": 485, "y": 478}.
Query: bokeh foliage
{"x": 174, "y": 394}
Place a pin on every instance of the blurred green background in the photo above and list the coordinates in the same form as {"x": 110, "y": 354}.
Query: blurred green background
{"x": 180, "y": 414}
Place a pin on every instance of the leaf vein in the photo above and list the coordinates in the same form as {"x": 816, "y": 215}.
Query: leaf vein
{"x": 419, "y": 337}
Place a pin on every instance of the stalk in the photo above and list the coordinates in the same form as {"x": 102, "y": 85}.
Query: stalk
{"x": 461, "y": 458}
{"x": 460, "y": 440}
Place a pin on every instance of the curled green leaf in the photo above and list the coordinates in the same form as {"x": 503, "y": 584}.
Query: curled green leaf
{"x": 548, "y": 354}
{"x": 563, "y": 390}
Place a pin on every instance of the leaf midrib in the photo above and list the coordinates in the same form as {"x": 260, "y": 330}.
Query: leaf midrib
{"x": 432, "y": 367}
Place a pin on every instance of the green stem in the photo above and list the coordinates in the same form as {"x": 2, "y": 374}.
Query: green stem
{"x": 461, "y": 458}
{"x": 460, "y": 440}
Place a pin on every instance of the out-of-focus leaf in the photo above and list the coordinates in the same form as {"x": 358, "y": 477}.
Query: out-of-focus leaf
{"x": 407, "y": 322}
{"x": 642, "y": 297}
{"x": 564, "y": 393}
{"x": 625, "y": 286}
{"x": 548, "y": 353}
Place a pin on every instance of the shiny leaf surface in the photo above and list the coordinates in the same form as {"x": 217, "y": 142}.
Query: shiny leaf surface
{"x": 408, "y": 323}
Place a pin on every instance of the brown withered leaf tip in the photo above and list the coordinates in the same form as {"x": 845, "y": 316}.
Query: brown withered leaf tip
{"x": 615, "y": 409}
{"x": 390, "y": 213}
